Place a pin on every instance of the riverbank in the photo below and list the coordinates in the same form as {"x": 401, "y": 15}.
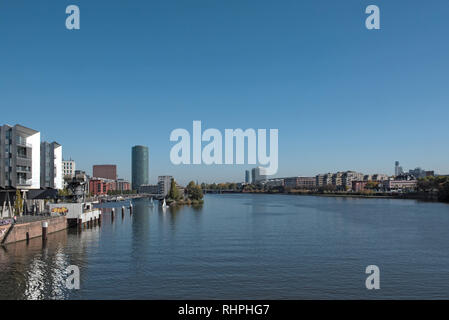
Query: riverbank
{"x": 32, "y": 228}
{"x": 422, "y": 196}
{"x": 185, "y": 202}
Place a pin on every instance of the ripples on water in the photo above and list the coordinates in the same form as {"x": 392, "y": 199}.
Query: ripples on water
{"x": 242, "y": 247}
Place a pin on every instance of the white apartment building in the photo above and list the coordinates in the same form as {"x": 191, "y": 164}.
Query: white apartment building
{"x": 51, "y": 165}
{"x": 164, "y": 183}
{"x": 68, "y": 168}
{"x": 19, "y": 157}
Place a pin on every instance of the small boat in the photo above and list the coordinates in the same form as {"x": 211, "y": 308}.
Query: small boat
{"x": 164, "y": 205}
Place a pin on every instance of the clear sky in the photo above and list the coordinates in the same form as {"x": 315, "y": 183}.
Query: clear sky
{"x": 343, "y": 97}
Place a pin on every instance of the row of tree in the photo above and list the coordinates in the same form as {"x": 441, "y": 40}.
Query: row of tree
{"x": 192, "y": 192}
{"x": 437, "y": 184}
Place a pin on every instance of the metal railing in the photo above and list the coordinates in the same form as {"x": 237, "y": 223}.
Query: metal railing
{"x": 24, "y": 182}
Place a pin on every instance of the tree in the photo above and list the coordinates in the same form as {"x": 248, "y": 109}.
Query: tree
{"x": 194, "y": 191}
{"x": 174, "y": 192}
{"x": 371, "y": 185}
{"x": 18, "y": 203}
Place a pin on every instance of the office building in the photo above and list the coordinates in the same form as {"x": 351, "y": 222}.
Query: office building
{"x": 397, "y": 169}
{"x": 140, "y": 166}
{"x": 418, "y": 173}
{"x": 122, "y": 185}
{"x": 337, "y": 179}
{"x": 68, "y": 168}
{"x": 259, "y": 175}
{"x": 51, "y": 165}
{"x": 164, "y": 183}
{"x": 348, "y": 177}
{"x": 105, "y": 171}
{"x": 149, "y": 189}
{"x": 277, "y": 182}
{"x": 20, "y": 157}
{"x": 247, "y": 177}
{"x": 300, "y": 182}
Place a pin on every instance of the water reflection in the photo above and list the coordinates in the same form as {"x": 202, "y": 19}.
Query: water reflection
{"x": 239, "y": 246}
{"x": 37, "y": 269}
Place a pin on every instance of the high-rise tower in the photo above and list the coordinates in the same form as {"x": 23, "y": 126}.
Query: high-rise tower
{"x": 140, "y": 166}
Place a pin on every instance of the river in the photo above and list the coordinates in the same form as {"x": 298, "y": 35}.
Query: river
{"x": 242, "y": 246}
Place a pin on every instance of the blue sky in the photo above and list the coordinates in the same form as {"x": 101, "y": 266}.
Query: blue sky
{"x": 342, "y": 97}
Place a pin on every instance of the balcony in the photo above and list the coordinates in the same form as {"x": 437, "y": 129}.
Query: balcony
{"x": 23, "y": 156}
{"x": 22, "y": 142}
{"x": 24, "y": 182}
{"x": 23, "y": 169}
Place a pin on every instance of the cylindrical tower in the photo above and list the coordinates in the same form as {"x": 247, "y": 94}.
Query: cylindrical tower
{"x": 140, "y": 166}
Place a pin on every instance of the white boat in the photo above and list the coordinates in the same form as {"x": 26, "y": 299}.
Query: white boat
{"x": 164, "y": 205}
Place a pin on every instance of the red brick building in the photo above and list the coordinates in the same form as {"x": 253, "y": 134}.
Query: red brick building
{"x": 105, "y": 171}
{"x": 123, "y": 185}
{"x": 358, "y": 186}
{"x": 101, "y": 186}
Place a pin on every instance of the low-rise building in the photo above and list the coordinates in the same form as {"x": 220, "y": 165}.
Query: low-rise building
{"x": 100, "y": 186}
{"x": 122, "y": 185}
{"x": 358, "y": 186}
{"x": 300, "y": 182}
{"x": 149, "y": 189}
{"x": 275, "y": 182}
{"x": 400, "y": 185}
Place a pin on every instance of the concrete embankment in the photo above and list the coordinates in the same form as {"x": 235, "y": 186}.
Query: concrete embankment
{"x": 32, "y": 229}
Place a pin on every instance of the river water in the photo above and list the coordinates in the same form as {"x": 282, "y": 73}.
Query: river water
{"x": 242, "y": 246}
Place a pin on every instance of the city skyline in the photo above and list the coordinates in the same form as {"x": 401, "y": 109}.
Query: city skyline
{"x": 342, "y": 97}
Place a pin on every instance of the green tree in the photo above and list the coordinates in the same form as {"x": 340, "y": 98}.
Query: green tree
{"x": 18, "y": 203}
{"x": 194, "y": 191}
{"x": 174, "y": 192}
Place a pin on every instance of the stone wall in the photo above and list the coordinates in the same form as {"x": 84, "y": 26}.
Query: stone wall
{"x": 3, "y": 230}
{"x": 34, "y": 229}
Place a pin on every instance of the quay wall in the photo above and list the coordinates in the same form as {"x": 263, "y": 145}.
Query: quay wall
{"x": 34, "y": 229}
{"x": 3, "y": 231}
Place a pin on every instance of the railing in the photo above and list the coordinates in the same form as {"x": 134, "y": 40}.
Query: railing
{"x": 23, "y": 156}
{"x": 23, "y": 169}
{"x": 22, "y": 142}
{"x": 24, "y": 182}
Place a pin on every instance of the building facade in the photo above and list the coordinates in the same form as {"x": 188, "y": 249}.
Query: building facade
{"x": 122, "y": 185}
{"x": 99, "y": 186}
{"x": 258, "y": 175}
{"x": 397, "y": 169}
{"x": 19, "y": 157}
{"x": 277, "y": 182}
{"x": 247, "y": 177}
{"x": 51, "y": 165}
{"x": 140, "y": 166}
{"x": 68, "y": 168}
{"x": 105, "y": 171}
{"x": 349, "y": 176}
{"x": 149, "y": 188}
{"x": 400, "y": 185}
{"x": 300, "y": 182}
{"x": 164, "y": 183}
